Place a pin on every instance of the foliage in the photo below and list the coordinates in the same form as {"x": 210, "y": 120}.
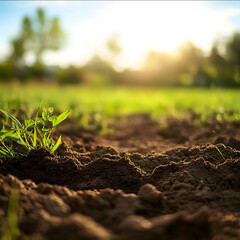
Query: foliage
{"x": 6, "y": 71}
{"x": 70, "y": 75}
{"x": 233, "y": 49}
{"x": 113, "y": 45}
{"x": 37, "y": 35}
{"x": 113, "y": 48}
{"x": 189, "y": 66}
{"x": 31, "y": 133}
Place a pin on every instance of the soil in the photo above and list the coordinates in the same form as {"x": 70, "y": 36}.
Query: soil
{"x": 143, "y": 181}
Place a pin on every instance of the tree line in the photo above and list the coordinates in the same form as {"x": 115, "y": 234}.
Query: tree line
{"x": 191, "y": 66}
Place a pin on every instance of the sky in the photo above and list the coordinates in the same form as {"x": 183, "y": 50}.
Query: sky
{"x": 141, "y": 26}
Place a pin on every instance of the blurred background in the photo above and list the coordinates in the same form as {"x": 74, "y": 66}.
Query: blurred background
{"x": 120, "y": 43}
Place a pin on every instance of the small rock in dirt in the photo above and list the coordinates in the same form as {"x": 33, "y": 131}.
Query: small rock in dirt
{"x": 44, "y": 188}
{"x": 178, "y": 185}
{"x": 28, "y": 184}
{"x": 161, "y": 223}
{"x": 128, "y": 201}
{"x": 76, "y": 227}
{"x": 134, "y": 223}
{"x": 172, "y": 226}
{"x": 55, "y": 206}
{"x": 149, "y": 193}
{"x": 110, "y": 194}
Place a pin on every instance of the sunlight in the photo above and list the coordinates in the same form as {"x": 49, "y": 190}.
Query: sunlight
{"x": 44, "y": 3}
{"x": 144, "y": 26}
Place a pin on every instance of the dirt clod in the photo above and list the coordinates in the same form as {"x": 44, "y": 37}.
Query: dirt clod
{"x": 139, "y": 182}
{"x": 150, "y": 194}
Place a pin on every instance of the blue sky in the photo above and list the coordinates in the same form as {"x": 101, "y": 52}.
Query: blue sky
{"x": 12, "y": 12}
{"x": 220, "y": 5}
{"x": 141, "y": 26}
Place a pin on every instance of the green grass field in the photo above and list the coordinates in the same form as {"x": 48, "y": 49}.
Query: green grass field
{"x": 107, "y": 102}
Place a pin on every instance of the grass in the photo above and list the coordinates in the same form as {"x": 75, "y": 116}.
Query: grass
{"x": 220, "y": 153}
{"x": 31, "y": 133}
{"x": 104, "y": 103}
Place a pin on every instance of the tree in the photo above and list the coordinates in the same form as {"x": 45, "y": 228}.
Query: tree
{"x": 191, "y": 58}
{"x": 37, "y": 35}
{"x": 114, "y": 48}
{"x": 222, "y": 70}
{"x": 18, "y": 52}
{"x": 99, "y": 71}
{"x": 233, "y": 55}
{"x": 48, "y": 35}
{"x": 233, "y": 49}
{"x": 6, "y": 71}
{"x": 20, "y": 44}
{"x": 113, "y": 45}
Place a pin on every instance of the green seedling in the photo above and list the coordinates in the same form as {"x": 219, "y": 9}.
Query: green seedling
{"x": 32, "y": 132}
{"x": 6, "y": 137}
{"x": 220, "y": 153}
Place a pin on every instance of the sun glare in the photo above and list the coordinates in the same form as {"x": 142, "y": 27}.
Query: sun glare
{"x": 144, "y": 26}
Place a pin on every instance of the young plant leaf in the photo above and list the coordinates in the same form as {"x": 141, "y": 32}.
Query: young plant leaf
{"x": 7, "y": 133}
{"x": 6, "y": 152}
{"x": 35, "y": 137}
{"x": 11, "y": 135}
{"x": 49, "y": 142}
{"x": 34, "y": 132}
{"x": 28, "y": 123}
{"x": 44, "y": 115}
{"x": 40, "y": 133}
{"x": 44, "y": 142}
{"x": 3, "y": 151}
{"x": 53, "y": 120}
{"x": 46, "y": 129}
{"x": 60, "y": 118}
{"x": 13, "y": 118}
{"x": 24, "y": 143}
{"x": 55, "y": 147}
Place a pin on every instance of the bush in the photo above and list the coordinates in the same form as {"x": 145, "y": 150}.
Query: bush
{"x": 70, "y": 75}
{"x": 7, "y": 72}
